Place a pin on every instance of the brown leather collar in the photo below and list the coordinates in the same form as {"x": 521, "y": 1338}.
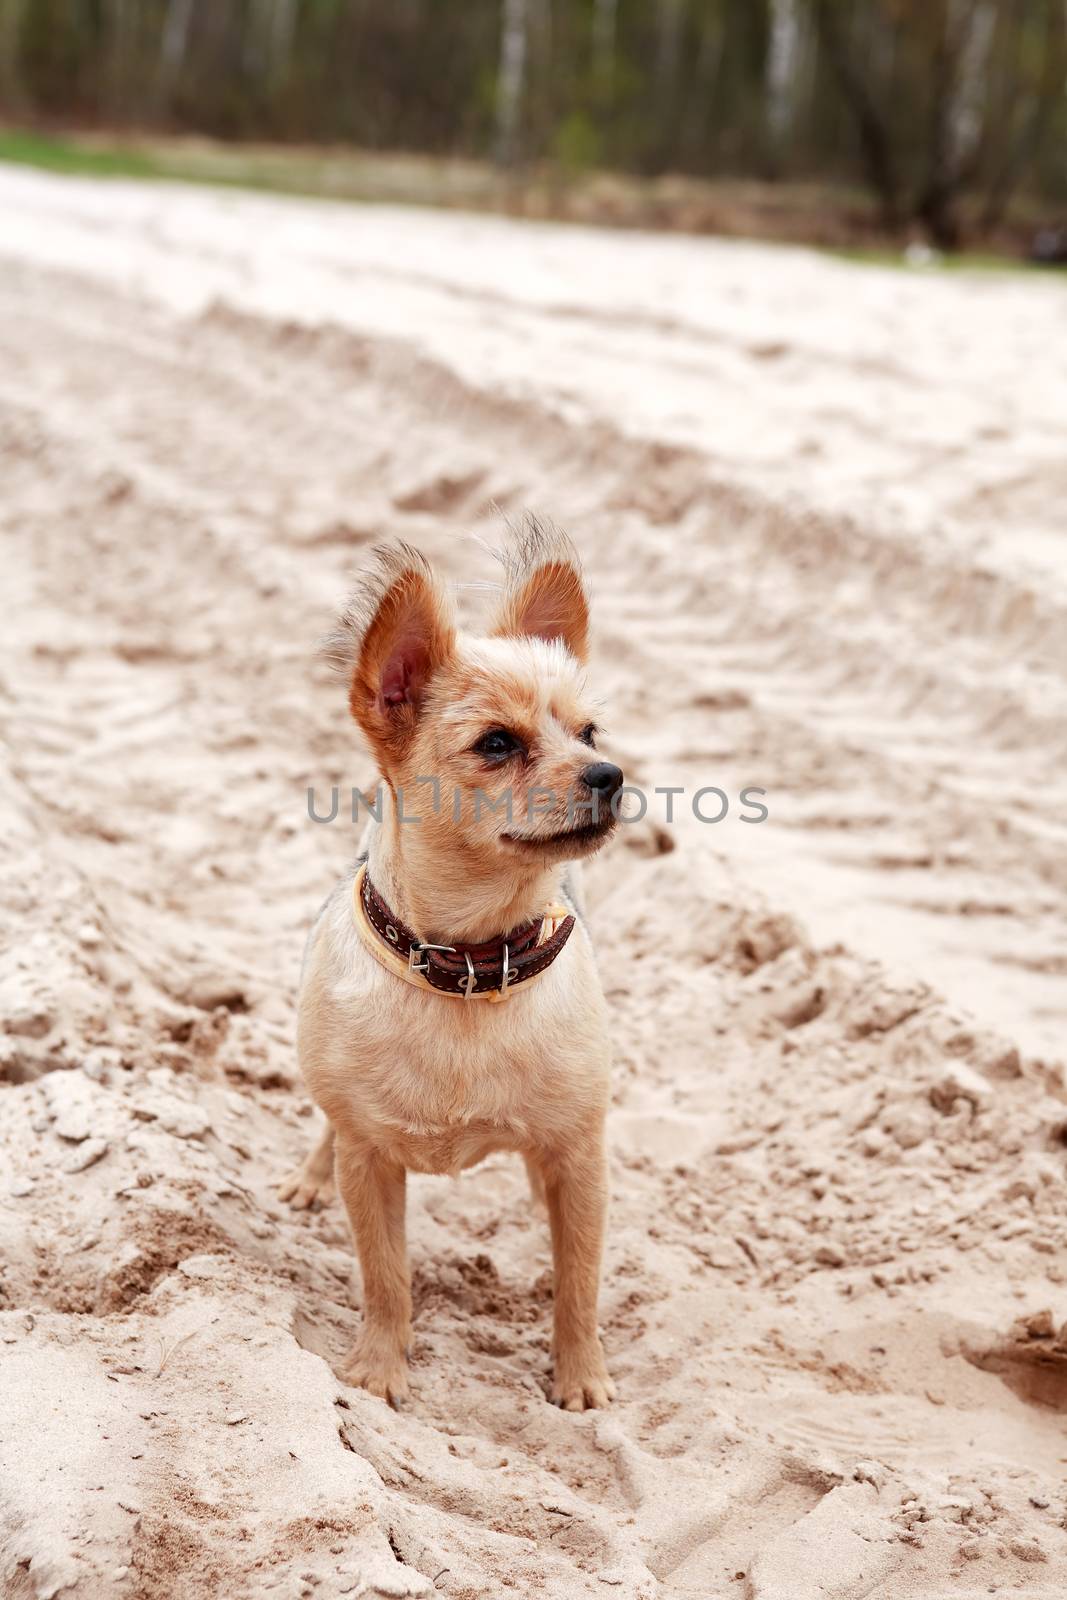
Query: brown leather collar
{"x": 494, "y": 966}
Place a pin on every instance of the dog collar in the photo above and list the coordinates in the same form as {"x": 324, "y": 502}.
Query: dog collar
{"x": 487, "y": 971}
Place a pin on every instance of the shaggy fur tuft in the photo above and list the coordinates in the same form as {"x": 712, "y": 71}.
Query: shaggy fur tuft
{"x": 389, "y": 562}
{"x": 543, "y": 592}
{"x": 534, "y": 542}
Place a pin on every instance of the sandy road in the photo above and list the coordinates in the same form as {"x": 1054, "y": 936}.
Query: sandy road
{"x": 871, "y": 466}
{"x": 820, "y": 507}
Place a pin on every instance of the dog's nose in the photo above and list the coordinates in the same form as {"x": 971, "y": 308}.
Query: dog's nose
{"x": 603, "y": 776}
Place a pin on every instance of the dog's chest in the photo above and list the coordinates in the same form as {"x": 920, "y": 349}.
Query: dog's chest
{"x": 433, "y": 1118}
{"x": 441, "y": 1083}
{"x": 449, "y": 1077}
{"x": 448, "y": 1150}
{"x": 449, "y": 1087}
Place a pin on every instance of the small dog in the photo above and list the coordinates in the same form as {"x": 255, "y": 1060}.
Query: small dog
{"x": 449, "y": 1002}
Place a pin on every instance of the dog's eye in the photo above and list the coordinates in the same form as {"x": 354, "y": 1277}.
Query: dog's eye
{"x": 497, "y": 744}
{"x": 588, "y": 734}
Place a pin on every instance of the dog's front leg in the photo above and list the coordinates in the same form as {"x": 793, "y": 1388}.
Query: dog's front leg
{"x": 373, "y": 1190}
{"x": 576, "y": 1191}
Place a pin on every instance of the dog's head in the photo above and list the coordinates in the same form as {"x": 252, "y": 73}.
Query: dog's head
{"x": 490, "y": 740}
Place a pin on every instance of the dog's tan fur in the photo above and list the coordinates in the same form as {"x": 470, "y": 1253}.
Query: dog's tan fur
{"x": 413, "y": 1080}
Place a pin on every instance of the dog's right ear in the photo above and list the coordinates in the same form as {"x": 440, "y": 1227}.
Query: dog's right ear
{"x": 397, "y": 632}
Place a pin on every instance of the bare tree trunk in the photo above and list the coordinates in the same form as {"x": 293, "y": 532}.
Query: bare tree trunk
{"x": 173, "y": 43}
{"x": 118, "y": 71}
{"x": 666, "y": 105}
{"x": 282, "y": 30}
{"x": 605, "y": 22}
{"x": 782, "y": 63}
{"x": 268, "y": 37}
{"x": 1021, "y": 148}
{"x": 871, "y": 125}
{"x": 968, "y": 112}
{"x": 956, "y": 115}
{"x": 511, "y": 77}
{"x": 706, "y": 79}
{"x": 936, "y": 201}
{"x": 670, "y": 39}
{"x": 11, "y": 12}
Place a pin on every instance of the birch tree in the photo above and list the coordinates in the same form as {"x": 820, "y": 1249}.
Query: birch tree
{"x": 783, "y": 57}
{"x": 173, "y": 43}
{"x": 511, "y": 77}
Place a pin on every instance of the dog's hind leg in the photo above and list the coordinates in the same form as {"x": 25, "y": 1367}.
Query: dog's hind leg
{"x": 537, "y": 1181}
{"x": 313, "y": 1182}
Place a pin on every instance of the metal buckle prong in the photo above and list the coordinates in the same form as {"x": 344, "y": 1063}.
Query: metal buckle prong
{"x": 467, "y": 983}
{"x": 505, "y": 975}
{"x": 416, "y": 950}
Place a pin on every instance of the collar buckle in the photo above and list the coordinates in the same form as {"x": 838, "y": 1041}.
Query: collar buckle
{"x": 417, "y": 947}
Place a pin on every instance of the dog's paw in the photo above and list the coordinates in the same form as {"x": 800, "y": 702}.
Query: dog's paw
{"x": 588, "y": 1394}
{"x": 305, "y": 1189}
{"x": 379, "y": 1368}
{"x": 581, "y": 1381}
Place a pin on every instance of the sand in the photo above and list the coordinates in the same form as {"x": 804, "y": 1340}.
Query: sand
{"x": 820, "y": 507}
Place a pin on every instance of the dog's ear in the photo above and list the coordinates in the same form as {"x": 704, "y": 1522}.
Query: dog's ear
{"x": 397, "y": 632}
{"x": 544, "y": 597}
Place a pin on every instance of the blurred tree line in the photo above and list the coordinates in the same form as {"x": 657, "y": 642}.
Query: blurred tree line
{"x": 925, "y": 101}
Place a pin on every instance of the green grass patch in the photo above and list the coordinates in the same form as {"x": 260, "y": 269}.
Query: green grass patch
{"x": 330, "y": 174}
{"x": 61, "y": 155}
